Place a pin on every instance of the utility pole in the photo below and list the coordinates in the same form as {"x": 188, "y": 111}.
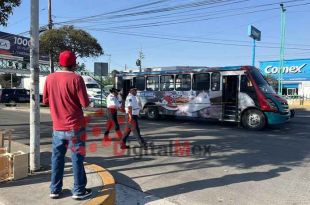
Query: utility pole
{"x": 50, "y": 26}
{"x": 281, "y": 62}
{"x": 34, "y": 89}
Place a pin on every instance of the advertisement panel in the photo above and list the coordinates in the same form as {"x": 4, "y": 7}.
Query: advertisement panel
{"x": 293, "y": 70}
{"x": 14, "y": 45}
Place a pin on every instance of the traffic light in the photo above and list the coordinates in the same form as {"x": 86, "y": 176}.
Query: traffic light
{"x": 138, "y": 62}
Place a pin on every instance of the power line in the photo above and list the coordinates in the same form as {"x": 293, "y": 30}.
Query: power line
{"x": 116, "y": 11}
{"x": 193, "y": 19}
{"x": 204, "y": 42}
{"x": 174, "y": 21}
{"x": 183, "y": 6}
{"x": 169, "y": 15}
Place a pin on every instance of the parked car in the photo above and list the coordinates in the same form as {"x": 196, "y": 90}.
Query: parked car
{"x": 95, "y": 101}
{"x": 14, "y": 95}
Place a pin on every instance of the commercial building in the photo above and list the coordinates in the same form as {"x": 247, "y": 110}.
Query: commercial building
{"x": 295, "y": 76}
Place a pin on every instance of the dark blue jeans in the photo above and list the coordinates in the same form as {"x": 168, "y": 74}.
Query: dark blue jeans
{"x": 75, "y": 141}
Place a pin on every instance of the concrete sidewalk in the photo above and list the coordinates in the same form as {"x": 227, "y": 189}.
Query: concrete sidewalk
{"x": 34, "y": 189}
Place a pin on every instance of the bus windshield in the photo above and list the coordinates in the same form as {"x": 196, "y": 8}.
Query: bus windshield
{"x": 261, "y": 82}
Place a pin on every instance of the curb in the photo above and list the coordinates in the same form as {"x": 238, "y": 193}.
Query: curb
{"x": 107, "y": 195}
{"x": 23, "y": 109}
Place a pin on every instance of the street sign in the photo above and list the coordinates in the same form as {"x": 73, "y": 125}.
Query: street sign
{"x": 254, "y": 33}
{"x": 16, "y": 46}
{"x": 101, "y": 69}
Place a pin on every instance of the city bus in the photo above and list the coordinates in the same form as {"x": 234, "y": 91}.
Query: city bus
{"x": 236, "y": 94}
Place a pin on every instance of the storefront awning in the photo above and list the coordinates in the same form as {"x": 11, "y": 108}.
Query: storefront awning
{"x": 291, "y": 85}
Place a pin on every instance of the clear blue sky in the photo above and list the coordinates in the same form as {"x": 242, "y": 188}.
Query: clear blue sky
{"x": 215, "y": 34}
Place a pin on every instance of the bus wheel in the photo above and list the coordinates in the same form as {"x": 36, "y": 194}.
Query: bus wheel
{"x": 253, "y": 120}
{"x": 152, "y": 113}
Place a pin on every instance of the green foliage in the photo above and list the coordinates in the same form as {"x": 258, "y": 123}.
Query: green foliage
{"x": 68, "y": 38}
{"x": 81, "y": 67}
{"x": 6, "y": 9}
{"x": 108, "y": 81}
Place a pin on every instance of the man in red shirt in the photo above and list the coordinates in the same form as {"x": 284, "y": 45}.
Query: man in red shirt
{"x": 65, "y": 93}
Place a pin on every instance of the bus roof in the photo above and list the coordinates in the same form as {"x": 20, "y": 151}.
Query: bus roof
{"x": 186, "y": 69}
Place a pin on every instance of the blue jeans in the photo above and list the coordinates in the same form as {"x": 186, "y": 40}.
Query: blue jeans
{"x": 74, "y": 140}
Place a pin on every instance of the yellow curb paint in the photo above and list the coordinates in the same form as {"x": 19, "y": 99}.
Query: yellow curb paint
{"x": 107, "y": 195}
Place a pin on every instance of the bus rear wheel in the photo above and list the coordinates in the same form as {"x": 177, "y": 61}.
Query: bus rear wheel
{"x": 253, "y": 120}
{"x": 152, "y": 113}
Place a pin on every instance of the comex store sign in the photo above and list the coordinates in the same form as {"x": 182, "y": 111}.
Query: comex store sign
{"x": 287, "y": 69}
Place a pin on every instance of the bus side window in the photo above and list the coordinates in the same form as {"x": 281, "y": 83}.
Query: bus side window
{"x": 215, "y": 81}
{"x": 246, "y": 85}
{"x": 183, "y": 82}
{"x": 201, "y": 81}
{"x": 152, "y": 83}
{"x": 139, "y": 82}
{"x": 167, "y": 82}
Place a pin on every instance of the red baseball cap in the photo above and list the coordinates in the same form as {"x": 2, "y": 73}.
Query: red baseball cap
{"x": 67, "y": 58}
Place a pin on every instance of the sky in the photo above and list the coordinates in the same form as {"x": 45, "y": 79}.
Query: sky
{"x": 178, "y": 32}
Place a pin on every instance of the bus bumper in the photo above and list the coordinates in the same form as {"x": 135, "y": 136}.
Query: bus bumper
{"x": 274, "y": 118}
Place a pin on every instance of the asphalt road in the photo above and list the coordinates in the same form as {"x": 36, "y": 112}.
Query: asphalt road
{"x": 245, "y": 167}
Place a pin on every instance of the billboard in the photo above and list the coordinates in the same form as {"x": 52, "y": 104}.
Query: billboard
{"x": 17, "y": 46}
{"x": 254, "y": 33}
{"x": 293, "y": 70}
{"x": 101, "y": 69}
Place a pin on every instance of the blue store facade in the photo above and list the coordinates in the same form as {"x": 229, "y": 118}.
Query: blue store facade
{"x": 295, "y": 78}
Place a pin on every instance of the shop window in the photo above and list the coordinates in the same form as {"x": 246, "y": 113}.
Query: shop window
{"x": 201, "y": 81}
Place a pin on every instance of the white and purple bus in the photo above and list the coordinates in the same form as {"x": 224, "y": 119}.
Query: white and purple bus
{"x": 237, "y": 94}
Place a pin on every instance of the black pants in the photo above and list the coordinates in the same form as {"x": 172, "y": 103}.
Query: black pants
{"x": 112, "y": 120}
{"x": 134, "y": 127}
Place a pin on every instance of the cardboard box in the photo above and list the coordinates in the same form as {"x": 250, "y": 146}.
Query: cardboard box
{"x": 5, "y": 170}
{"x": 20, "y": 163}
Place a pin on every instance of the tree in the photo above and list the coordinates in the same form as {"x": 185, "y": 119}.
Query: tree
{"x": 68, "y": 38}
{"x": 81, "y": 67}
{"x": 6, "y": 9}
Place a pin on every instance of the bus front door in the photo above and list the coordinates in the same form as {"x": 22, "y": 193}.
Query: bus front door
{"x": 230, "y": 98}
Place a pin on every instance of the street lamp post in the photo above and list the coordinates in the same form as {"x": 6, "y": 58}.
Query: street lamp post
{"x": 281, "y": 62}
{"x": 253, "y": 52}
